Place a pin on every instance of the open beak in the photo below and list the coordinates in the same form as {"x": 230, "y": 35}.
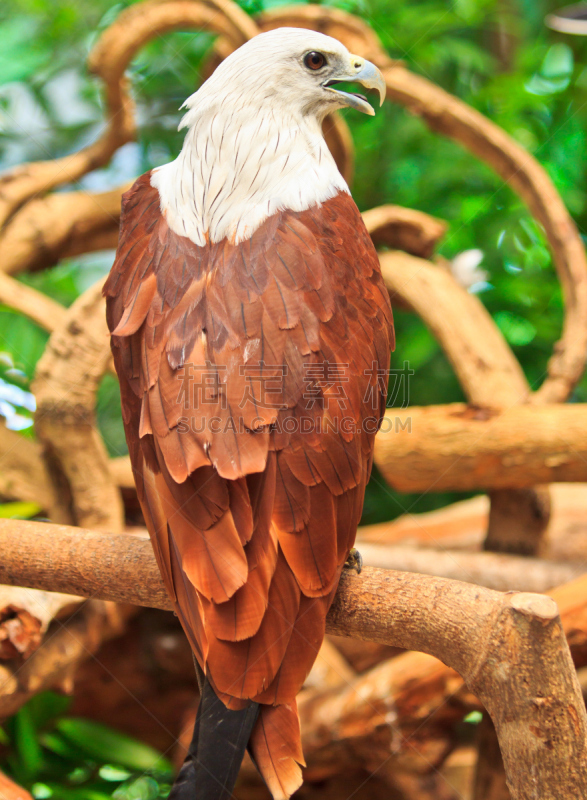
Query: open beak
{"x": 365, "y": 73}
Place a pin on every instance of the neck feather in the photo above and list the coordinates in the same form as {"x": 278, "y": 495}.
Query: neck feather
{"x": 236, "y": 170}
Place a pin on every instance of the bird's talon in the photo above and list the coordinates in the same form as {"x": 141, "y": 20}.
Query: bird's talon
{"x": 354, "y": 561}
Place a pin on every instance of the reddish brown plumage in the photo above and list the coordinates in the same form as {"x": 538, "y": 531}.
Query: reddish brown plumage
{"x": 247, "y": 374}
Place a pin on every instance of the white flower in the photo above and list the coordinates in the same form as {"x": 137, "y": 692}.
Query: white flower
{"x": 465, "y": 270}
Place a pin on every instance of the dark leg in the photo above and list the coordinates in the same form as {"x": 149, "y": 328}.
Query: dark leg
{"x": 354, "y": 561}
{"x": 215, "y": 754}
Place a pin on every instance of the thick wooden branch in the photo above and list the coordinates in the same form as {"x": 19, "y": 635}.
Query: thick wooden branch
{"x": 109, "y": 59}
{"x": 66, "y": 381}
{"x": 488, "y": 371}
{"x": 509, "y": 648}
{"x": 493, "y": 570}
{"x": 447, "y": 115}
{"x": 404, "y": 229}
{"x": 54, "y": 664}
{"x": 460, "y": 448}
{"x": 61, "y": 225}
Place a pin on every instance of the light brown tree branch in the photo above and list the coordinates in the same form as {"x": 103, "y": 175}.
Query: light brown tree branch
{"x": 404, "y": 229}
{"x": 460, "y": 448}
{"x": 497, "y": 571}
{"x": 61, "y": 225}
{"x": 54, "y": 664}
{"x": 65, "y": 385}
{"x": 509, "y": 648}
{"x": 109, "y": 59}
{"x": 33, "y": 304}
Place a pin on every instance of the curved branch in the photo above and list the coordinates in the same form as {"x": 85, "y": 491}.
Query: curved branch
{"x": 61, "y": 225}
{"x": 488, "y": 371}
{"x": 447, "y": 115}
{"x": 33, "y": 304}
{"x": 405, "y": 229}
{"x": 108, "y": 60}
{"x": 67, "y": 378}
{"x": 509, "y": 648}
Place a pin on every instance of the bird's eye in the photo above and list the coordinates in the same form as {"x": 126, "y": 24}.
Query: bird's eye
{"x": 314, "y": 60}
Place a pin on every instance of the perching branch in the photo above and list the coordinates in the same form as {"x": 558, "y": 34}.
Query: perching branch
{"x": 509, "y": 648}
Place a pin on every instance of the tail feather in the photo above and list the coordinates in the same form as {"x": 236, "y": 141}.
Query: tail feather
{"x": 276, "y": 749}
{"x": 220, "y": 738}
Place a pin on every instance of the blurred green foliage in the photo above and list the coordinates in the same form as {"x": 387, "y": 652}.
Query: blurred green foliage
{"x": 68, "y": 758}
{"x": 494, "y": 54}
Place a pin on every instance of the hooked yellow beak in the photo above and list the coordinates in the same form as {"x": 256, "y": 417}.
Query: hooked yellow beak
{"x": 365, "y": 73}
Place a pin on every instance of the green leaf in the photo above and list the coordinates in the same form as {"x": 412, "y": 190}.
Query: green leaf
{"x": 18, "y": 60}
{"x": 111, "y": 773}
{"x": 62, "y": 747}
{"x": 104, "y": 744}
{"x": 144, "y": 788}
{"x": 558, "y": 61}
{"x": 46, "y": 706}
{"x": 19, "y": 510}
{"x": 517, "y": 330}
{"x": 40, "y": 791}
{"x": 26, "y": 742}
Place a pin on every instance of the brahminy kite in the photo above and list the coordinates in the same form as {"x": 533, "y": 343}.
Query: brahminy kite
{"x": 251, "y": 332}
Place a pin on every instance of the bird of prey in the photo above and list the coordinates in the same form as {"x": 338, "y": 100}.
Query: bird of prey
{"x": 251, "y": 332}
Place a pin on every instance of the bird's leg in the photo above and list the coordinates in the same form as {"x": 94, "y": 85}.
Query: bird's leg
{"x": 354, "y": 561}
{"x": 218, "y": 745}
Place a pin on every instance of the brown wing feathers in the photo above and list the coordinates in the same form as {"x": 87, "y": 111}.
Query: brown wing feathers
{"x": 245, "y": 376}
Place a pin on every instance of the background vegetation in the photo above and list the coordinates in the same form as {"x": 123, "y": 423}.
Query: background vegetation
{"x": 495, "y": 54}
